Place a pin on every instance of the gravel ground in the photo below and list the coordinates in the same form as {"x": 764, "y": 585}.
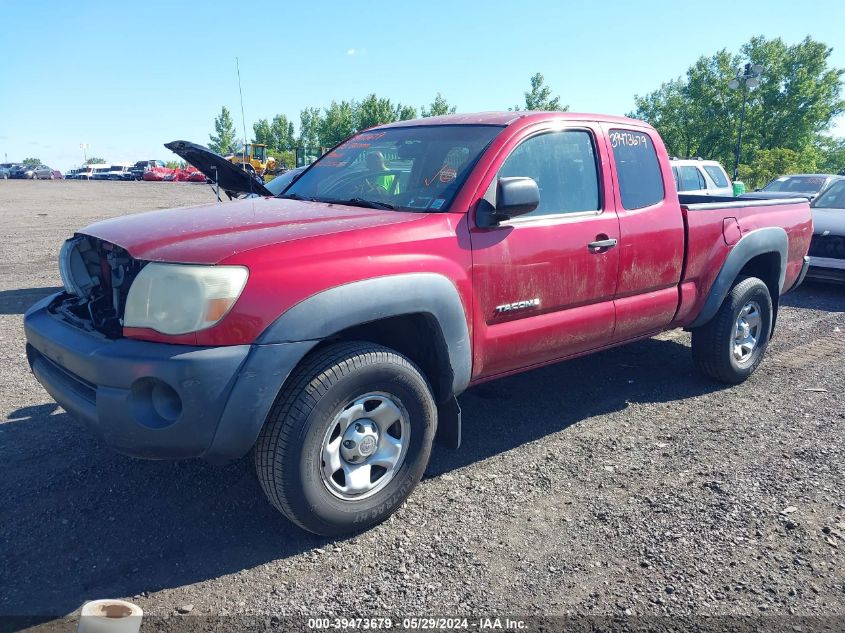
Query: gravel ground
{"x": 618, "y": 484}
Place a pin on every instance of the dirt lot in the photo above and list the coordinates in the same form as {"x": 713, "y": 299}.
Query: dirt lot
{"x": 617, "y": 484}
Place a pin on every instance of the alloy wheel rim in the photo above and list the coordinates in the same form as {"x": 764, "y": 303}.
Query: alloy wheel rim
{"x": 365, "y": 446}
{"x": 746, "y": 335}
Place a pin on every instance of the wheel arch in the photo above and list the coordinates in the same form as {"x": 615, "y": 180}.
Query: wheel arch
{"x": 761, "y": 253}
{"x": 418, "y": 314}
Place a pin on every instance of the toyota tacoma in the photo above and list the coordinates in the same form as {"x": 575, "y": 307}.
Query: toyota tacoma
{"x": 328, "y": 329}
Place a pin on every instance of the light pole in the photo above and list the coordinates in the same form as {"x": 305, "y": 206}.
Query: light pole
{"x": 747, "y": 76}
{"x": 84, "y": 148}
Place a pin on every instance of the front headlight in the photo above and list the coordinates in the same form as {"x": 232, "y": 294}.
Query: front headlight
{"x": 180, "y": 298}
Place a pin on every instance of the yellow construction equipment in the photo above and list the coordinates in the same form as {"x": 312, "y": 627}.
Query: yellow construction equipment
{"x": 254, "y": 158}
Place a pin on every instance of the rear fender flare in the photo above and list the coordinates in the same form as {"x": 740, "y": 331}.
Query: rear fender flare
{"x": 331, "y": 311}
{"x": 758, "y": 242}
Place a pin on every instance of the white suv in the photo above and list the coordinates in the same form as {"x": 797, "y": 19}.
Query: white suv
{"x": 701, "y": 177}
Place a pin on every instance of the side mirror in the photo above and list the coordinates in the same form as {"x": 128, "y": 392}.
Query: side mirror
{"x": 514, "y": 196}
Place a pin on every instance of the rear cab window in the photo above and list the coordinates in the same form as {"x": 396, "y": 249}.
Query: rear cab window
{"x": 637, "y": 168}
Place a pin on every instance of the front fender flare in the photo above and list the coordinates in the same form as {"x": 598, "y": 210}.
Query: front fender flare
{"x": 357, "y": 303}
{"x": 768, "y": 240}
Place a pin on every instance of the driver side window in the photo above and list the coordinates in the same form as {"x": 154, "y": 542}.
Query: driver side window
{"x": 564, "y": 166}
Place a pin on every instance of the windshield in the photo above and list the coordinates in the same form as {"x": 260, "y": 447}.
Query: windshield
{"x": 415, "y": 168}
{"x": 117, "y": 168}
{"x": 833, "y": 198}
{"x": 796, "y": 184}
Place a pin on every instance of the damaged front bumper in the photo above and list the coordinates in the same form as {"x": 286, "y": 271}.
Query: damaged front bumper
{"x": 156, "y": 400}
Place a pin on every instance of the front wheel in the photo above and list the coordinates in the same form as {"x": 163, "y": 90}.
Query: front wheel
{"x": 348, "y": 438}
{"x": 731, "y": 345}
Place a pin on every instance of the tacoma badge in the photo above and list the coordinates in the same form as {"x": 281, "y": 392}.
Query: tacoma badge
{"x": 518, "y": 305}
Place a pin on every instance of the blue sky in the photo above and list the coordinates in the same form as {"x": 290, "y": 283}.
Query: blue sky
{"x": 126, "y": 77}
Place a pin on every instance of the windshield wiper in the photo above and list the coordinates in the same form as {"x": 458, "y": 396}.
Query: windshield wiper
{"x": 373, "y": 204}
{"x": 353, "y": 202}
{"x": 361, "y": 202}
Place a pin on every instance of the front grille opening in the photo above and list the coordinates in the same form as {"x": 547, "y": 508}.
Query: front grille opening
{"x": 72, "y": 382}
{"x": 97, "y": 276}
{"x": 832, "y": 246}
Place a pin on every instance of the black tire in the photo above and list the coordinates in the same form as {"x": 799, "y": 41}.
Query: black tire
{"x": 288, "y": 453}
{"x": 713, "y": 343}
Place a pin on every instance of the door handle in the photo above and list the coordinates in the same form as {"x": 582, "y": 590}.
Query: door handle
{"x": 599, "y": 245}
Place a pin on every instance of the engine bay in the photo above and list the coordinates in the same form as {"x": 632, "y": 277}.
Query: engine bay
{"x": 97, "y": 276}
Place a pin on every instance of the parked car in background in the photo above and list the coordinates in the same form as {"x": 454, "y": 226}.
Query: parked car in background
{"x": 701, "y": 177}
{"x": 5, "y": 171}
{"x": 158, "y": 173}
{"x": 57, "y": 175}
{"x": 85, "y": 172}
{"x": 120, "y": 171}
{"x": 23, "y": 172}
{"x": 803, "y": 185}
{"x": 827, "y": 248}
{"x": 42, "y": 172}
{"x": 101, "y": 172}
{"x": 142, "y": 166}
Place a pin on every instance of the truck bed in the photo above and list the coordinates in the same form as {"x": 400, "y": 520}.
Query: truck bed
{"x": 714, "y": 224}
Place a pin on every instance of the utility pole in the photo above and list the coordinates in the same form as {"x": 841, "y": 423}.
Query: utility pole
{"x": 747, "y": 76}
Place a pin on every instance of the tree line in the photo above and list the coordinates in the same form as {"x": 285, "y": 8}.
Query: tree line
{"x": 786, "y": 130}
{"x": 325, "y": 127}
{"x": 788, "y": 116}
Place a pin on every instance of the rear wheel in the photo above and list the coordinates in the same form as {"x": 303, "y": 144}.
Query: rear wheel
{"x": 348, "y": 438}
{"x": 731, "y": 345}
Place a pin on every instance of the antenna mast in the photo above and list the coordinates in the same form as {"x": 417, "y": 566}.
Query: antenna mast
{"x": 243, "y": 123}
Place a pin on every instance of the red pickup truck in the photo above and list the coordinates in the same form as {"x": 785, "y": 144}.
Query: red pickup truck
{"x": 331, "y": 327}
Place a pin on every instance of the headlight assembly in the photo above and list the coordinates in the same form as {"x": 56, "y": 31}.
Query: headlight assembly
{"x": 181, "y": 298}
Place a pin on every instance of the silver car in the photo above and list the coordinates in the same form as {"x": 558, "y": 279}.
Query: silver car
{"x": 796, "y": 186}
{"x": 827, "y": 248}
{"x": 42, "y": 172}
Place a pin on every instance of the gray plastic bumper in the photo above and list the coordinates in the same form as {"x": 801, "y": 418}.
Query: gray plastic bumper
{"x": 155, "y": 400}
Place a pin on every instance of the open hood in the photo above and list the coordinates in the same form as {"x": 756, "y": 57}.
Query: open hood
{"x": 230, "y": 177}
